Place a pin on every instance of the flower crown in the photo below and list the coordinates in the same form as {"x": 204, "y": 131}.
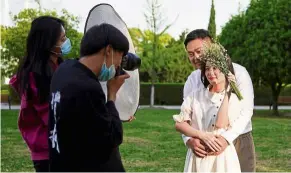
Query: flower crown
{"x": 216, "y": 55}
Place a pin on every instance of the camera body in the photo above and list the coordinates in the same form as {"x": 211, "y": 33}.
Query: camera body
{"x": 129, "y": 62}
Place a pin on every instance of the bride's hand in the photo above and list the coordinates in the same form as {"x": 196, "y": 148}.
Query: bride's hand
{"x": 210, "y": 140}
{"x": 231, "y": 77}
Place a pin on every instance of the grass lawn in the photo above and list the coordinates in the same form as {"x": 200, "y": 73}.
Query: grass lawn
{"x": 151, "y": 143}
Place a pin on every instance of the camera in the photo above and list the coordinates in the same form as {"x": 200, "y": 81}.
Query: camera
{"x": 129, "y": 62}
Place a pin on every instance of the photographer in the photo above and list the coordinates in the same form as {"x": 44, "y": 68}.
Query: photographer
{"x": 85, "y": 130}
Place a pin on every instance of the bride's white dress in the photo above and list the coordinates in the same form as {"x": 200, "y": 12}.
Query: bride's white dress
{"x": 201, "y": 108}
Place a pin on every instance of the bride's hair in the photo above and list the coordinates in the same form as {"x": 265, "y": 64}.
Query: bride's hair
{"x": 203, "y": 68}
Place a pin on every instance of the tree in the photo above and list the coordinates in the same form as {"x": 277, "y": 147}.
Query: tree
{"x": 176, "y": 65}
{"x": 13, "y": 38}
{"x": 211, "y": 24}
{"x": 172, "y": 63}
{"x": 137, "y": 37}
{"x": 260, "y": 39}
{"x": 158, "y": 28}
{"x": 142, "y": 41}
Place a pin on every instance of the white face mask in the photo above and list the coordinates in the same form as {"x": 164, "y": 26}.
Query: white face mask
{"x": 107, "y": 73}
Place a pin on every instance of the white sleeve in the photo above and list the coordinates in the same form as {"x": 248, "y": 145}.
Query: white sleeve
{"x": 245, "y": 86}
{"x": 186, "y": 111}
{"x": 186, "y": 92}
{"x": 185, "y": 139}
{"x": 190, "y": 85}
{"x": 193, "y": 83}
{"x": 187, "y": 87}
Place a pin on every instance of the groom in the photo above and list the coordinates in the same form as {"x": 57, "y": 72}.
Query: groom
{"x": 240, "y": 133}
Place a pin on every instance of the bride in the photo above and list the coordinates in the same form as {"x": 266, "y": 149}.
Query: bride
{"x": 205, "y": 114}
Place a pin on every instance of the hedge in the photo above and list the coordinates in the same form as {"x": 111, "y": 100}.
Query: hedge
{"x": 172, "y": 94}
{"x": 6, "y": 89}
{"x": 165, "y": 94}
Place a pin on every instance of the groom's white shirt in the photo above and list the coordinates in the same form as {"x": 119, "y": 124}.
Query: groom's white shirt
{"x": 243, "y": 123}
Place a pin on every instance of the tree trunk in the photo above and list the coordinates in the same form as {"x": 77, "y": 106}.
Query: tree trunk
{"x": 152, "y": 95}
{"x": 275, "y": 105}
{"x": 276, "y": 89}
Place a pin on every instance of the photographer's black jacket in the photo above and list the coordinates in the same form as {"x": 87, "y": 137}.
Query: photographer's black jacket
{"x": 84, "y": 130}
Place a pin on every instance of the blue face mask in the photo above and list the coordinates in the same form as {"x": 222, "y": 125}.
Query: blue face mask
{"x": 66, "y": 47}
{"x": 107, "y": 73}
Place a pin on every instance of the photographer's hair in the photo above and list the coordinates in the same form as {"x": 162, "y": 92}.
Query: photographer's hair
{"x": 43, "y": 36}
{"x": 197, "y": 34}
{"x": 203, "y": 69}
{"x": 100, "y": 36}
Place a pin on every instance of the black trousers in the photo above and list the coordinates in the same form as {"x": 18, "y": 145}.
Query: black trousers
{"x": 41, "y": 165}
{"x": 92, "y": 163}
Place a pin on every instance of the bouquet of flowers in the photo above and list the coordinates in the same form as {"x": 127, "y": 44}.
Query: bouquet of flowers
{"x": 215, "y": 54}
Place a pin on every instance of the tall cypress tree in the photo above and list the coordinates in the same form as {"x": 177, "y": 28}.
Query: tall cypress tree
{"x": 211, "y": 24}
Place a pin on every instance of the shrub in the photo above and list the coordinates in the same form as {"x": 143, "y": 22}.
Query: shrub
{"x": 172, "y": 94}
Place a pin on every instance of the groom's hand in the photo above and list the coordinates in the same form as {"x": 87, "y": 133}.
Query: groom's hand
{"x": 222, "y": 143}
{"x": 197, "y": 147}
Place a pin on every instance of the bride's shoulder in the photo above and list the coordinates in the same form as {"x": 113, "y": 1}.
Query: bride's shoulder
{"x": 198, "y": 93}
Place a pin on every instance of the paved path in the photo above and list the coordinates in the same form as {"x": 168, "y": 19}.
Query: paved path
{"x": 6, "y": 106}
{"x": 178, "y": 107}
{"x": 17, "y": 107}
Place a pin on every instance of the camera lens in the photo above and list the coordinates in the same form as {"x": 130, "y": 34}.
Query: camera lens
{"x": 130, "y": 62}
